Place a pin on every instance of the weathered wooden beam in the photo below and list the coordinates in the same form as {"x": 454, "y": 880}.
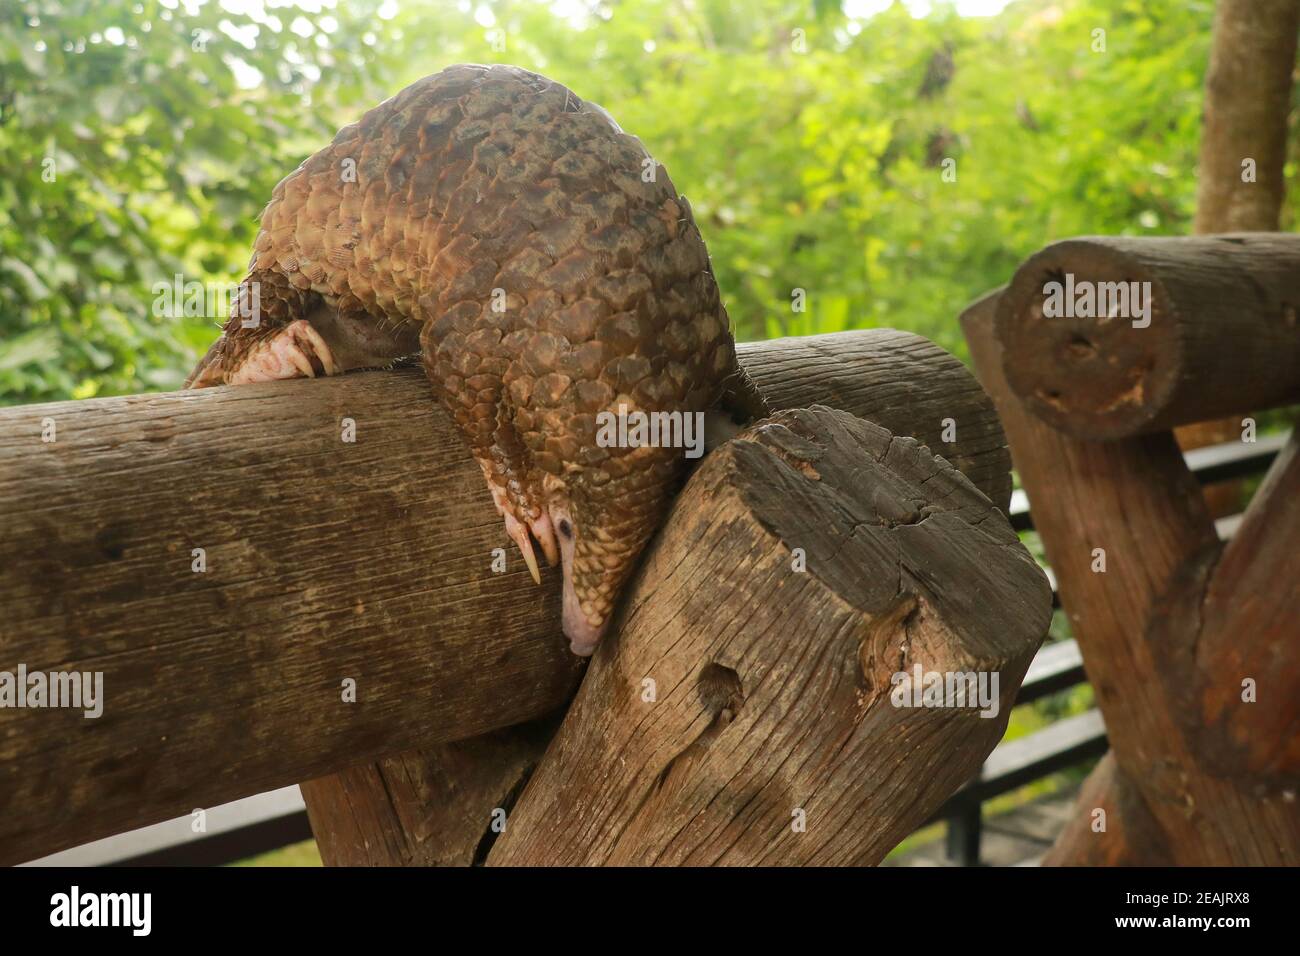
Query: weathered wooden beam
{"x": 897, "y": 379}
{"x": 745, "y": 713}
{"x": 325, "y": 561}
{"x": 1221, "y": 335}
{"x": 431, "y": 807}
{"x": 1247, "y": 619}
{"x": 1169, "y": 624}
{"x": 902, "y": 382}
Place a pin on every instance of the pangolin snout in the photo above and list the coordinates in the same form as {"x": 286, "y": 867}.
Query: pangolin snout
{"x": 583, "y": 635}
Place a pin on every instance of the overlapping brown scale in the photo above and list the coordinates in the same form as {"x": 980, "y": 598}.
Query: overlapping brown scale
{"x": 479, "y": 179}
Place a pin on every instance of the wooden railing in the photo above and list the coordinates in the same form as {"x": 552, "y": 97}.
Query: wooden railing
{"x": 1180, "y": 629}
{"x": 1059, "y": 666}
{"x": 257, "y": 826}
{"x": 233, "y": 567}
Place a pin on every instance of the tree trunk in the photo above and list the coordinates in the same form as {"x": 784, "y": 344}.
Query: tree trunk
{"x": 1240, "y": 187}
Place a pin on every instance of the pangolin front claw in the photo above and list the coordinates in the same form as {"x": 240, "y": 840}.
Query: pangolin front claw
{"x": 544, "y": 532}
{"x": 519, "y": 532}
{"x": 295, "y": 351}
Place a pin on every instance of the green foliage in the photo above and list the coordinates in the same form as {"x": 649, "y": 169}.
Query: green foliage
{"x": 811, "y": 146}
{"x": 131, "y": 154}
{"x": 295, "y": 854}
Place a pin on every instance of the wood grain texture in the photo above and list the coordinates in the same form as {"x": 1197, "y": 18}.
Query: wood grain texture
{"x": 430, "y": 807}
{"x": 902, "y": 382}
{"x": 1223, "y": 337}
{"x": 1247, "y": 622}
{"x": 771, "y": 686}
{"x": 326, "y": 560}
{"x": 1168, "y": 632}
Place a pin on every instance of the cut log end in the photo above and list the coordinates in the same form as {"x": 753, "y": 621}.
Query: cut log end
{"x": 1076, "y": 352}
{"x": 1109, "y": 337}
{"x": 746, "y": 712}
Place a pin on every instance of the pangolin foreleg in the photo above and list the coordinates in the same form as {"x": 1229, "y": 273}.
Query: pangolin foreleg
{"x": 486, "y": 421}
{"x": 279, "y": 331}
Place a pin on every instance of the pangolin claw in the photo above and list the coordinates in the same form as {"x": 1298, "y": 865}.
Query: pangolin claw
{"x": 544, "y": 532}
{"x": 520, "y": 535}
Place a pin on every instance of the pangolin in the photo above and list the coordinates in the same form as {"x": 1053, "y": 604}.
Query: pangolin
{"x": 545, "y": 270}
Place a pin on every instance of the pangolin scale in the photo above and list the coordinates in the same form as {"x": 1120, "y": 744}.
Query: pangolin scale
{"x": 543, "y": 266}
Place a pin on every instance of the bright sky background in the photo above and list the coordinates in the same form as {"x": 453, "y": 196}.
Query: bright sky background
{"x": 919, "y": 8}
{"x": 853, "y": 8}
{"x": 575, "y": 10}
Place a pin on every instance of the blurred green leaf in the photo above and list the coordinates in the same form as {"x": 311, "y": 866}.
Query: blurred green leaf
{"x": 39, "y": 345}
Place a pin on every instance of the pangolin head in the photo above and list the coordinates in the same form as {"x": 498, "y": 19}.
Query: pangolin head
{"x": 617, "y": 484}
{"x": 602, "y": 517}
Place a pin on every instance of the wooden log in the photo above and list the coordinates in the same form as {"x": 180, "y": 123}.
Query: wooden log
{"x": 1154, "y": 549}
{"x": 326, "y": 561}
{"x": 1166, "y": 673}
{"x": 899, "y": 380}
{"x": 1247, "y": 107}
{"x": 1247, "y": 618}
{"x": 432, "y": 807}
{"x": 1220, "y": 337}
{"x": 744, "y": 714}
{"x": 902, "y": 382}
